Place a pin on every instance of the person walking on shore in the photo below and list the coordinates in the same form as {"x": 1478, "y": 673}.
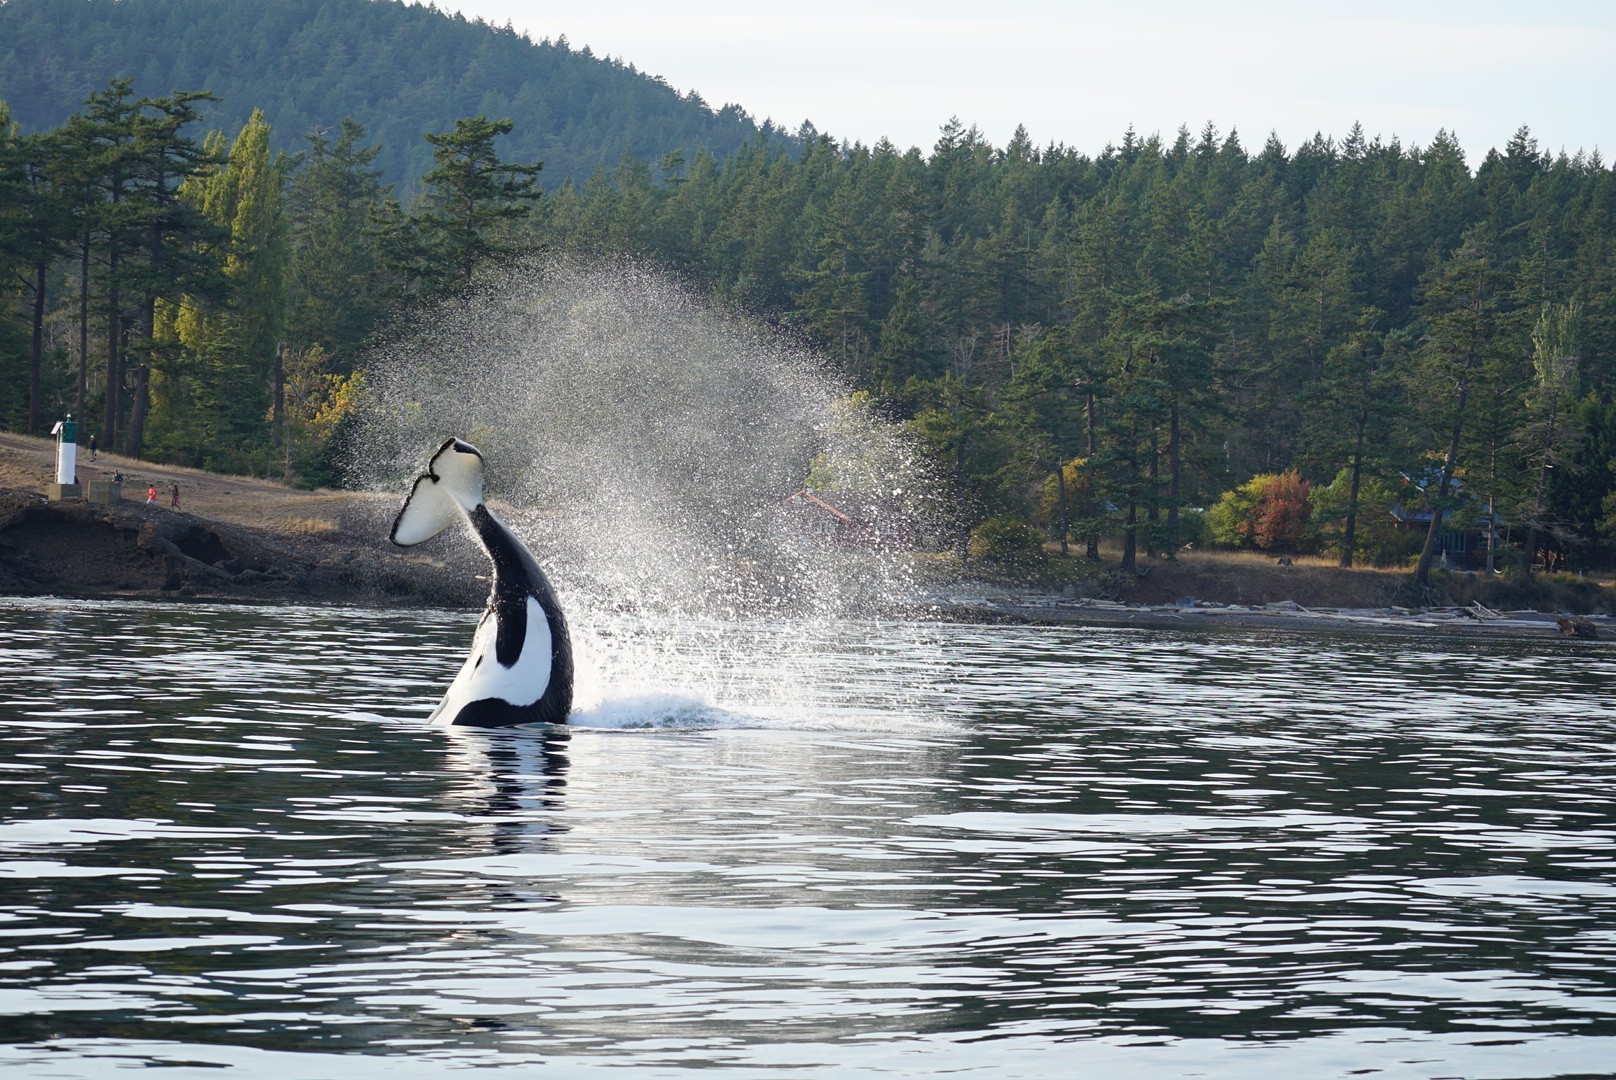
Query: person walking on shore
{"x": 174, "y": 496}
{"x": 151, "y": 495}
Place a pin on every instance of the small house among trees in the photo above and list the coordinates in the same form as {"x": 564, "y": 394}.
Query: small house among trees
{"x": 879, "y": 526}
{"x": 812, "y": 516}
{"x": 1463, "y": 541}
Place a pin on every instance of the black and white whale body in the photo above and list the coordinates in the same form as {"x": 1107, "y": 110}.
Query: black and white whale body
{"x": 520, "y": 667}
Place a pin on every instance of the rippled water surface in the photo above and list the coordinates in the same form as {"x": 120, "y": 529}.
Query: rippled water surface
{"x": 229, "y": 842}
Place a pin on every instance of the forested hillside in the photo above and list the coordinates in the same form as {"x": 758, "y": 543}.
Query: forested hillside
{"x": 1351, "y": 345}
{"x": 400, "y": 70}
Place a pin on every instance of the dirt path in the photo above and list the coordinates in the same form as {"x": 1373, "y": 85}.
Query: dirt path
{"x": 30, "y": 464}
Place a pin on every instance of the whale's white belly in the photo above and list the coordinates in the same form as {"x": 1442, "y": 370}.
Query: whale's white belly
{"x": 482, "y": 676}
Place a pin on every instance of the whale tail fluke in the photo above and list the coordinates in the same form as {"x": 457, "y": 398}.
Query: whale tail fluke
{"x": 519, "y": 670}
{"x": 451, "y": 487}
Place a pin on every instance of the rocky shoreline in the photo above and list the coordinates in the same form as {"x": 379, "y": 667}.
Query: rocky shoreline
{"x": 75, "y": 549}
{"x": 127, "y": 550}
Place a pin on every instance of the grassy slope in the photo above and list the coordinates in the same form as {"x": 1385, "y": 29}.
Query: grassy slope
{"x": 263, "y": 505}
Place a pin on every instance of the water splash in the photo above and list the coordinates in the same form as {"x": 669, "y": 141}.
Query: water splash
{"x": 647, "y": 446}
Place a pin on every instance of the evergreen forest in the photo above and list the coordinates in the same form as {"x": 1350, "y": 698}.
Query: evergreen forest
{"x": 1351, "y": 345}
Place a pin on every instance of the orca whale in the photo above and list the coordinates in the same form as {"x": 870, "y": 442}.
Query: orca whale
{"x": 519, "y": 670}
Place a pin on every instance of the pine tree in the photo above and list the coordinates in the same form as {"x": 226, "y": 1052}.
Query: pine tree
{"x": 177, "y": 250}
{"x": 1549, "y": 434}
{"x": 470, "y": 197}
{"x": 212, "y": 397}
{"x": 106, "y": 135}
{"x": 1462, "y": 307}
{"x": 338, "y": 286}
{"x": 34, "y": 228}
{"x": 1347, "y": 415}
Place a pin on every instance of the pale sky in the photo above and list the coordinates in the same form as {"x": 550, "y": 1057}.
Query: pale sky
{"x": 1080, "y": 72}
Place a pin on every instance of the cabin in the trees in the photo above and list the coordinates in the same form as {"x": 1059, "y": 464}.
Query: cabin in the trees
{"x": 812, "y": 515}
{"x": 1464, "y": 545}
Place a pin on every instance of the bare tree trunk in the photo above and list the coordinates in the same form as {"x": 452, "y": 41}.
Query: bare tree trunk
{"x": 1130, "y": 540}
{"x": 962, "y": 545}
{"x": 115, "y": 329}
{"x": 1094, "y": 442}
{"x": 1065, "y": 520}
{"x": 84, "y": 329}
{"x": 280, "y": 413}
{"x": 136, "y": 440}
{"x": 1349, "y": 539}
{"x": 1529, "y": 552}
{"x": 36, "y": 350}
{"x": 1529, "y": 549}
{"x": 1092, "y": 548}
{"x": 1175, "y": 471}
{"x": 1153, "y": 511}
{"x": 1422, "y": 572}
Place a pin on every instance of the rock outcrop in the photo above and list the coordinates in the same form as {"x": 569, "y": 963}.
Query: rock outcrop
{"x": 75, "y": 548}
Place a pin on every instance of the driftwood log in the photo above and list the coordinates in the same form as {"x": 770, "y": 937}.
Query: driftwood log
{"x": 1578, "y": 627}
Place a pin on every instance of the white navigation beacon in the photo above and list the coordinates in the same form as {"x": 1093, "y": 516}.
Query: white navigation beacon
{"x": 67, "y": 451}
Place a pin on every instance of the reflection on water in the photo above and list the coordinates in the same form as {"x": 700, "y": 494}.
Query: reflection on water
{"x": 228, "y": 840}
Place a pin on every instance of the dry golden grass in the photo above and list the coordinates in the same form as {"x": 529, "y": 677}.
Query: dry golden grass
{"x": 312, "y": 528}
{"x": 27, "y": 463}
{"x": 1244, "y": 577}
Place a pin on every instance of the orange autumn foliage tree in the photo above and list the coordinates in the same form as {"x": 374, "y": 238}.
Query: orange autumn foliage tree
{"x": 1284, "y": 514}
{"x": 1271, "y": 511}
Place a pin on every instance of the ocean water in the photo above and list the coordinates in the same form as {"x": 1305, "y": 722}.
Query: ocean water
{"x": 230, "y": 844}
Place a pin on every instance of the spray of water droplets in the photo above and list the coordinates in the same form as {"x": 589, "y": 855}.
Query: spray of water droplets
{"x": 648, "y": 447}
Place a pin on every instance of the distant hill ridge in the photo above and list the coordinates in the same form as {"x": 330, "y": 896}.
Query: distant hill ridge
{"x": 400, "y": 69}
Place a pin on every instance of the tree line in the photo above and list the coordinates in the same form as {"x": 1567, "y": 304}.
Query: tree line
{"x": 1107, "y": 344}
{"x": 204, "y": 301}
{"x": 1087, "y": 345}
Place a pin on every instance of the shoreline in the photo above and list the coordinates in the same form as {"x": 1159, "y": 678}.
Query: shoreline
{"x": 1290, "y": 617}
{"x": 251, "y": 541}
{"x": 1448, "y": 623}
{"x": 75, "y": 550}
